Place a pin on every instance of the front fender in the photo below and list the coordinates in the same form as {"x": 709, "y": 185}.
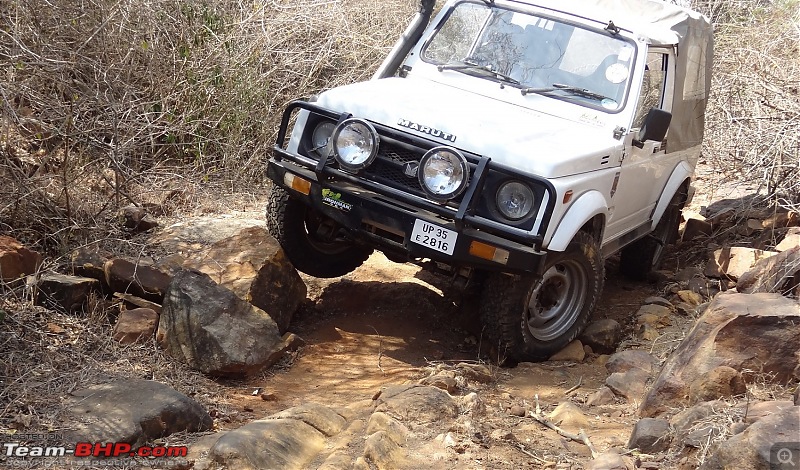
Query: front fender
{"x": 681, "y": 173}
{"x": 584, "y": 208}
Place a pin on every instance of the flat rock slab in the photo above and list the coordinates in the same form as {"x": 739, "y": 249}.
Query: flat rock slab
{"x": 268, "y": 443}
{"x": 64, "y": 293}
{"x": 136, "y": 277}
{"x": 134, "y": 411}
{"x": 756, "y": 332}
{"x": 417, "y": 403}
{"x": 755, "y": 447}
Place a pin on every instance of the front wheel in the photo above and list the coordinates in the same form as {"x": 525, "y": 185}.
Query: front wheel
{"x": 312, "y": 242}
{"x": 528, "y": 318}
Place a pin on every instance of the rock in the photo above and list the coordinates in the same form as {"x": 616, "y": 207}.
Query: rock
{"x": 320, "y": 417}
{"x": 724, "y": 216}
{"x": 790, "y": 240}
{"x": 134, "y": 411}
{"x": 16, "y": 261}
{"x": 780, "y": 220}
{"x": 441, "y": 381}
{"x": 691, "y": 423}
{"x": 137, "y": 219}
{"x": 137, "y": 278}
{"x": 417, "y": 403}
{"x": 477, "y": 372}
{"x": 654, "y": 315}
{"x": 719, "y": 382}
{"x": 89, "y": 262}
{"x": 501, "y": 435}
{"x": 571, "y": 352}
{"x": 704, "y": 287}
{"x": 648, "y": 332}
{"x": 62, "y": 292}
{"x": 610, "y": 461}
{"x": 252, "y": 264}
{"x": 214, "y": 331}
{"x": 602, "y": 336}
{"x": 603, "y": 396}
{"x": 734, "y": 261}
{"x": 779, "y": 273}
{"x": 268, "y": 443}
{"x": 518, "y": 410}
{"x": 686, "y": 309}
{"x": 797, "y": 395}
{"x": 137, "y": 325}
{"x": 394, "y": 429}
{"x": 133, "y": 301}
{"x": 661, "y": 300}
{"x": 689, "y": 297}
{"x": 763, "y": 409}
{"x": 650, "y": 435}
{"x": 383, "y": 452}
{"x": 569, "y": 417}
{"x": 755, "y": 447}
{"x": 630, "y": 384}
{"x": 695, "y": 228}
{"x": 629, "y": 359}
{"x": 757, "y": 332}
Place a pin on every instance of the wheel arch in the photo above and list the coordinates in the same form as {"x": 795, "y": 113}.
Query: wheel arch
{"x": 680, "y": 178}
{"x": 587, "y": 213}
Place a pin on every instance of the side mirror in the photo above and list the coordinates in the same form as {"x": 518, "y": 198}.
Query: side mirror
{"x": 655, "y": 126}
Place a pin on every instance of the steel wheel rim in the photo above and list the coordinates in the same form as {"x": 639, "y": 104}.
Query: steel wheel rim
{"x": 311, "y": 226}
{"x": 557, "y": 300}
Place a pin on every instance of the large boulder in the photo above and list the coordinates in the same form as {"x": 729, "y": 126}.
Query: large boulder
{"x": 214, "y": 331}
{"x": 758, "y": 332}
{"x": 779, "y": 273}
{"x": 758, "y": 447}
{"x": 16, "y": 261}
{"x": 133, "y": 411}
{"x": 252, "y": 264}
{"x": 732, "y": 262}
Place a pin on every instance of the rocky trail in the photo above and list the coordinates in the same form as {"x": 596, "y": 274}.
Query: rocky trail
{"x": 383, "y": 368}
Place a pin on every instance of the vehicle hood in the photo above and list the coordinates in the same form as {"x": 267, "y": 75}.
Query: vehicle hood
{"x": 530, "y": 141}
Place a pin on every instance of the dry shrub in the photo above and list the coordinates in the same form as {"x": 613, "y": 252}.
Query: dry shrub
{"x": 107, "y": 102}
{"x": 753, "y": 119}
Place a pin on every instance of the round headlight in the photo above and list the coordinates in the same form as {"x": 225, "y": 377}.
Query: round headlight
{"x": 443, "y": 173}
{"x": 321, "y": 141}
{"x": 514, "y": 200}
{"x": 355, "y": 144}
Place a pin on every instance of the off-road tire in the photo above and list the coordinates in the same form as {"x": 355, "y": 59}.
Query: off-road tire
{"x": 578, "y": 273}
{"x": 287, "y": 221}
{"x": 645, "y": 255}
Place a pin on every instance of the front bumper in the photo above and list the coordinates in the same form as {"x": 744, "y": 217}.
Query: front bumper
{"x": 387, "y": 223}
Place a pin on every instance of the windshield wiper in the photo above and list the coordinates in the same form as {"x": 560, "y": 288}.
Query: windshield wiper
{"x": 466, "y": 65}
{"x": 568, "y": 88}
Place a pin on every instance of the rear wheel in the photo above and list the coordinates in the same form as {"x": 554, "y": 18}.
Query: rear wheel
{"x": 530, "y": 319}
{"x": 641, "y": 257}
{"x": 312, "y": 241}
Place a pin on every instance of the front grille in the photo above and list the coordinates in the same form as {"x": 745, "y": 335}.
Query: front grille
{"x": 389, "y": 165}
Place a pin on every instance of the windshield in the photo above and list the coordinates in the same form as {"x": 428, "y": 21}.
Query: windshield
{"x": 537, "y": 54}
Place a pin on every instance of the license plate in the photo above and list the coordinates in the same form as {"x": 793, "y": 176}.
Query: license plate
{"x": 434, "y": 237}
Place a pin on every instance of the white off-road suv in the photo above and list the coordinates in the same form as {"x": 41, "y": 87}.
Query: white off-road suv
{"x": 513, "y": 142}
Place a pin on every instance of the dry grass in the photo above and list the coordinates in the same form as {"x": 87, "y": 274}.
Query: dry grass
{"x": 753, "y": 119}
{"x": 109, "y": 102}
{"x": 47, "y": 355}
